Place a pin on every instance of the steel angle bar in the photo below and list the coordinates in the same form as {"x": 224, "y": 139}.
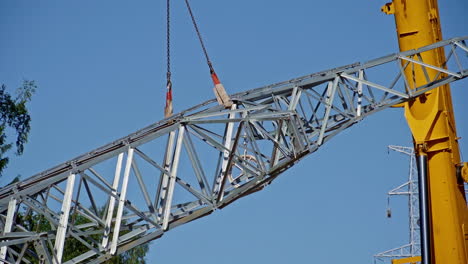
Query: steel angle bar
{"x": 329, "y": 102}
{"x": 207, "y": 139}
{"x": 295, "y": 125}
{"x": 302, "y": 108}
{"x": 271, "y": 116}
{"x": 97, "y": 175}
{"x": 424, "y": 68}
{"x": 222, "y": 113}
{"x": 186, "y": 207}
{"x": 378, "y": 86}
{"x": 142, "y": 215}
{"x": 191, "y": 190}
{"x": 142, "y": 185}
{"x": 90, "y": 195}
{"x": 295, "y": 96}
{"x": 246, "y": 167}
{"x": 392, "y": 85}
{"x": 196, "y": 165}
{"x": 122, "y": 197}
{"x": 63, "y": 224}
{"x": 457, "y": 61}
{"x": 174, "y": 168}
{"x": 430, "y": 66}
{"x": 8, "y": 225}
{"x": 15, "y": 235}
{"x": 455, "y": 55}
{"x": 255, "y": 148}
{"x": 21, "y": 254}
{"x": 151, "y": 161}
{"x": 46, "y": 212}
{"x": 18, "y": 241}
{"x": 85, "y": 212}
{"x": 161, "y": 192}
{"x": 215, "y": 121}
{"x": 429, "y": 86}
{"x": 82, "y": 257}
{"x": 370, "y": 97}
{"x": 461, "y": 46}
{"x": 132, "y": 234}
{"x": 397, "y": 190}
{"x": 206, "y": 131}
{"x": 322, "y": 101}
{"x": 127, "y": 246}
{"x": 187, "y": 210}
{"x": 268, "y": 135}
{"x": 107, "y": 191}
{"x": 347, "y": 101}
{"x": 227, "y": 167}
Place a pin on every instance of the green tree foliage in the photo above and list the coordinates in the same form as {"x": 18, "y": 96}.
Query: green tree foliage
{"x": 15, "y": 120}
{"x": 14, "y": 115}
{"x": 73, "y": 247}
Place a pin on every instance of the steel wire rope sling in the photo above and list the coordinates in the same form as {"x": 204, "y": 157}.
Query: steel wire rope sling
{"x": 168, "y": 109}
{"x": 220, "y": 92}
{"x": 221, "y": 96}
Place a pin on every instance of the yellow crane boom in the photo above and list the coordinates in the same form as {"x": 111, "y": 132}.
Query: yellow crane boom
{"x": 444, "y": 219}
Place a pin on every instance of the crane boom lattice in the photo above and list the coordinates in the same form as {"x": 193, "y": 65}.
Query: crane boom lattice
{"x": 135, "y": 189}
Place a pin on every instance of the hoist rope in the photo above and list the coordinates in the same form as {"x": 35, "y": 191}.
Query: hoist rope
{"x": 195, "y": 25}
{"x": 168, "y": 39}
{"x": 219, "y": 91}
{"x": 168, "y": 109}
{"x": 221, "y": 96}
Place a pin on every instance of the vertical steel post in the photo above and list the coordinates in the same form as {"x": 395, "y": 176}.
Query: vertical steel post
{"x": 331, "y": 88}
{"x": 225, "y": 155}
{"x": 63, "y": 224}
{"x": 8, "y": 225}
{"x": 123, "y": 194}
{"x": 424, "y": 213}
{"x": 110, "y": 209}
{"x": 172, "y": 179}
{"x": 359, "y": 87}
{"x": 161, "y": 193}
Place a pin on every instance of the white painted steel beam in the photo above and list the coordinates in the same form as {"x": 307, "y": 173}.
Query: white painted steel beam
{"x": 122, "y": 197}
{"x": 111, "y": 205}
{"x": 63, "y": 224}
{"x": 7, "y": 227}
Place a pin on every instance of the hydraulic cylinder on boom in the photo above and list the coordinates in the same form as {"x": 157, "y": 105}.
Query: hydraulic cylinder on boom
{"x": 443, "y": 212}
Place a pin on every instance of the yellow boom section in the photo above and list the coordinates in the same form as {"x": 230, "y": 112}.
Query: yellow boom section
{"x": 431, "y": 120}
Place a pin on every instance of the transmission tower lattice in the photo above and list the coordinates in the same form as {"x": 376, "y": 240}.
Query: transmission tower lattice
{"x": 133, "y": 190}
{"x": 409, "y": 189}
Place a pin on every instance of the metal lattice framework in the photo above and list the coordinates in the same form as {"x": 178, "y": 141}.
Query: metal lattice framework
{"x": 135, "y": 189}
{"x": 409, "y": 189}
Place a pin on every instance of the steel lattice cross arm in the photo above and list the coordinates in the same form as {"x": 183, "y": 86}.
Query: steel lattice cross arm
{"x": 134, "y": 189}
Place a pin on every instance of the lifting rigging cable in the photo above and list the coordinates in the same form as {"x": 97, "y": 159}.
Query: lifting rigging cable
{"x": 221, "y": 96}
{"x": 220, "y": 92}
{"x": 168, "y": 109}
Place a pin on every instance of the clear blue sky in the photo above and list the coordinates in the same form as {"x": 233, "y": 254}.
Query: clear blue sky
{"x": 100, "y": 68}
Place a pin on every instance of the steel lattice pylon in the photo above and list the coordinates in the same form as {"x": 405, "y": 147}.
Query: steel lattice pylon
{"x": 409, "y": 189}
{"x": 202, "y": 159}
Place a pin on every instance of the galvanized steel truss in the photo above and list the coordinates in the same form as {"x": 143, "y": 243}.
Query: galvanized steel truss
{"x": 409, "y": 189}
{"x": 202, "y": 159}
